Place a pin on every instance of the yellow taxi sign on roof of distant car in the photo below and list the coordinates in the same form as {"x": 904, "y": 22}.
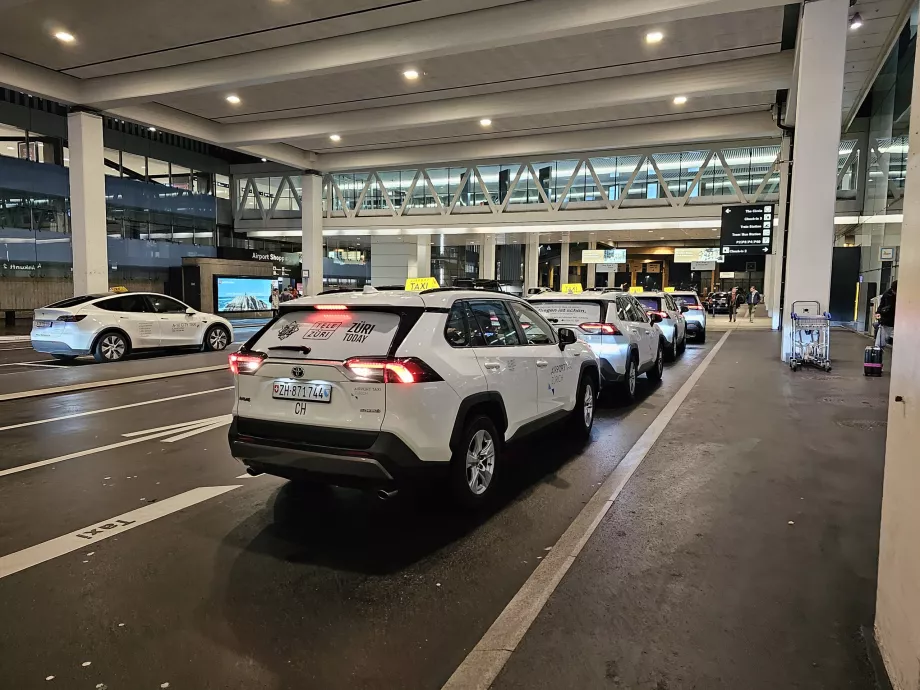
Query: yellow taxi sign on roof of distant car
{"x": 571, "y": 289}
{"x": 118, "y": 288}
{"x": 419, "y": 284}
{"x": 636, "y": 289}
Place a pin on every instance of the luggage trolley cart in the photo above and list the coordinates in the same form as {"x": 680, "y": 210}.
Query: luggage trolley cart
{"x": 811, "y": 336}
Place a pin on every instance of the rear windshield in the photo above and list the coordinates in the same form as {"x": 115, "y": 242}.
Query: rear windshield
{"x": 568, "y": 313}
{"x": 333, "y": 335}
{"x": 653, "y": 303}
{"x": 689, "y": 300}
{"x": 73, "y": 301}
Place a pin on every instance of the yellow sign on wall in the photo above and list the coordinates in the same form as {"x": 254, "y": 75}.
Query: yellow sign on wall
{"x": 419, "y": 284}
{"x": 571, "y": 289}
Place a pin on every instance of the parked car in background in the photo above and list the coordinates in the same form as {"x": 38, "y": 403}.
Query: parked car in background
{"x": 718, "y": 302}
{"x": 112, "y": 326}
{"x": 616, "y": 327}
{"x": 696, "y": 316}
{"x": 673, "y": 325}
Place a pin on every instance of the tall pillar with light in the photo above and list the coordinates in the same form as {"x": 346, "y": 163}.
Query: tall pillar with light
{"x": 87, "y": 203}
{"x": 487, "y": 258}
{"x": 423, "y": 257}
{"x": 532, "y": 262}
{"x": 592, "y": 268}
{"x": 311, "y": 259}
{"x": 809, "y": 250}
{"x": 564, "y": 263}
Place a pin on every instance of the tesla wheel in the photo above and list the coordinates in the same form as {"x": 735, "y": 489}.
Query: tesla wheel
{"x": 217, "y": 338}
{"x": 671, "y": 352}
{"x": 472, "y": 468}
{"x": 627, "y": 387}
{"x": 111, "y": 347}
{"x": 701, "y": 338}
{"x": 65, "y": 358}
{"x": 581, "y": 419}
{"x": 657, "y": 370}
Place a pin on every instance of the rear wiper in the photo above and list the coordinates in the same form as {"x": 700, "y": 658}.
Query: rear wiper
{"x": 303, "y": 349}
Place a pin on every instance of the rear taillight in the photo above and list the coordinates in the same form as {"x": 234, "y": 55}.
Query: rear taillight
{"x": 698, "y": 307}
{"x": 71, "y": 318}
{"x": 391, "y": 370}
{"x": 600, "y": 328}
{"x": 241, "y": 363}
{"x": 662, "y": 314}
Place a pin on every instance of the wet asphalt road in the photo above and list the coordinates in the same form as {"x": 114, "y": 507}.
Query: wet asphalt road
{"x": 256, "y": 587}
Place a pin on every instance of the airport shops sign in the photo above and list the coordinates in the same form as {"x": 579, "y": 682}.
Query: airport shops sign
{"x": 603, "y": 256}
{"x": 746, "y": 229}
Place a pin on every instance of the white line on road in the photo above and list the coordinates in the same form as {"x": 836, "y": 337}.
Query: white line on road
{"x": 110, "y": 382}
{"x": 92, "y": 534}
{"x": 483, "y": 664}
{"x": 224, "y": 421}
{"x": 19, "y": 364}
{"x": 113, "y": 409}
{"x": 183, "y": 426}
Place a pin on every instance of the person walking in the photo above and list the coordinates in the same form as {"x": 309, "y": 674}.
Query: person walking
{"x": 753, "y": 299}
{"x": 885, "y": 316}
{"x": 276, "y": 302}
{"x": 734, "y": 301}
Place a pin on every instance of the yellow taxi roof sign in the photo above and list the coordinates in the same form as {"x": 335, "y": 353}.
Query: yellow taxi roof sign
{"x": 636, "y": 289}
{"x": 419, "y": 284}
{"x": 571, "y": 289}
{"x": 118, "y": 288}
{"x": 669, "y": 289}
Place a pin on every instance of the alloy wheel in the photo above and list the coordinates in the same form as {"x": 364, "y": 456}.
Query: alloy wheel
{"x": 589, "y": 401}
{"x": 632, "y": 378}
{"x": 113, "y": 347}
{"x": 218, "y": 339}
{"x": 480, "y": 462}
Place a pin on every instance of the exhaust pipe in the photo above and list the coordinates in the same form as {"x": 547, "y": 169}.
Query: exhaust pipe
{"x": 252, "y": 473}
{"x": 385, "y": 495}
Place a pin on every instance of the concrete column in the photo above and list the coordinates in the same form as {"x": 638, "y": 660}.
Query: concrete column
{"x": 487, "y": 258}
{"x": 422, "y": 257}
{"x": 897, "y": 612}
{"x": 87, "y": 204}
{"x": 592, "y": 269}
{"x": 394, "y": 260}
{"x": 532, "y": 262}
{"x": 311, "y": 258}
{"x": 814, "y": 176}
{"x": 779, "y": 237}
{"x": 564, "y": 264}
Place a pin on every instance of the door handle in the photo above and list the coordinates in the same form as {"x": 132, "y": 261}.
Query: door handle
{"x": 492, "y": 366}
{"x": 542, "y": 363}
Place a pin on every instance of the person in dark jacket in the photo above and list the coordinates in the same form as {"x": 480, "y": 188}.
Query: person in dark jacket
{"x": 753, "y": 299}
{"x": 885, "y": 316}
{"x": 735, "y": 300}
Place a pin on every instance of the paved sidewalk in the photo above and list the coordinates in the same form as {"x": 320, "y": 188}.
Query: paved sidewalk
{"x": 742, "y": 554}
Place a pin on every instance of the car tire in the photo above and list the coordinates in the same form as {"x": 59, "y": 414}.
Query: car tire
{"x": 65, "y": 358}
{"x": 111, "y": 346}
{"x": 627, "y": 387}
{"x": 655, "y": 373}
{"x": 682, "y": 345}
{"x": 216, "y": 338}
{"x": 701, "y": 338}
{"x": 670, "y": 353}
{"x": 473, "y": 465}
{"x": 581, "y": 418}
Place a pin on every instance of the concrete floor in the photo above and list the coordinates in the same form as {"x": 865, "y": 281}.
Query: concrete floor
{"x": 694, "y": 579}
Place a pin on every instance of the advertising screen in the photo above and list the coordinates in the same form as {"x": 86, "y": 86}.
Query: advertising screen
{"x": 243, "y": 294}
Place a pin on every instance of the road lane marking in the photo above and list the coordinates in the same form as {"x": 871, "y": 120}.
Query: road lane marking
{"x": 37, "y": 361}
{"x": 482, "y": 665}
{"x": 181, "y": 426}
{"x": 110, "y": 382}
{"x": 224, "y": 421}
{"x": 113, "y": 409}
{"x": 79, "y": 539}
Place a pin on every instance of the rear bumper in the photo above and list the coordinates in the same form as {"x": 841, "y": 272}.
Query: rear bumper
{"x": 364, "y": 460}
{"x": 608, "y": 373}
{"x": 56, "y": 347}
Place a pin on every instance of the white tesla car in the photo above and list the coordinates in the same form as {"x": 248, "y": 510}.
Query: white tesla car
{"x": 111, "y": 326}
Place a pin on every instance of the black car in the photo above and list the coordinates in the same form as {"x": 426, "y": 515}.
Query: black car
{"x": 718, "y": 302}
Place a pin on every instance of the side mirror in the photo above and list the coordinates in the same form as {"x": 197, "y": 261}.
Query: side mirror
{"x": 566, "y": 337}
{"x": 190, "y": 312}
{"x": 654, "y": 317}
{"x": 684, "y": 309}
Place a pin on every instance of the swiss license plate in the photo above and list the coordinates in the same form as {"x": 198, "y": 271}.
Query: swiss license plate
{"x": 308, "y": 392}
{"x": 38, "y": 323}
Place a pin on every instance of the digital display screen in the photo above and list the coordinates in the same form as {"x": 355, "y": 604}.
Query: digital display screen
{"x": 244, "y": 294}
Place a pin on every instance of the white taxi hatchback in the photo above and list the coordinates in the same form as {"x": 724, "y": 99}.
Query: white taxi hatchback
{"x": 376, "y": 389}
{"x": 112, "y": 326}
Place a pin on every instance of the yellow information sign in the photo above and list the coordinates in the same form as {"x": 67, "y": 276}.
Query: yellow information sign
{"x": 636, "y": 289}
{"x": 669, "y": 289}
{"x": 571, "y": 289}
{"x": 419, "y": 284}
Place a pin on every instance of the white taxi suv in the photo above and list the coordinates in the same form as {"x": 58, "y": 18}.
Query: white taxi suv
{"x": 673, "y": 323}
{"x": 624, "y": 337}
{"x": 112, "y": 326}
{"x": 376, "y": 389}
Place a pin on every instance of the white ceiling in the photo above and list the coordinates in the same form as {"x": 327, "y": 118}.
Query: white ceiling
{"x": 305, "y": 69}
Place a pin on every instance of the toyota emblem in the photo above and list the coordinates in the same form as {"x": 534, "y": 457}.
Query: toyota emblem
{"x": 297, "y": 372}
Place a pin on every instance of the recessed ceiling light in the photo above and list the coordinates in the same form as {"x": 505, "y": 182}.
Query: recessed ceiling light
{"x": 485, "y": 122}
{"x": 265, "y": 160}
{"x": 654, "y": 37}
{"x": 64, "y": 37}
{"x": 856, "y": 21}
{"x": 234, "y": 99}
{"x": 335, "y": 137}
{"x": 410, "y": 74}
{"x": 151, "y": 129}
{"x": 680, "y": 100}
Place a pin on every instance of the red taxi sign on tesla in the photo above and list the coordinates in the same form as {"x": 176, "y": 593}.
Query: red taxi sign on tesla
{"x": 747, "y": 229}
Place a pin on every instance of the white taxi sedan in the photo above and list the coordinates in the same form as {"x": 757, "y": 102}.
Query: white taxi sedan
{"x": 111, "y": 326}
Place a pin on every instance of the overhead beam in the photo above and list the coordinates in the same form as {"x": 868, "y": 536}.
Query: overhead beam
{"x": 761, "y": 73}
{"x": 450, "y": 35}
{"x": 686, "y": 131}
